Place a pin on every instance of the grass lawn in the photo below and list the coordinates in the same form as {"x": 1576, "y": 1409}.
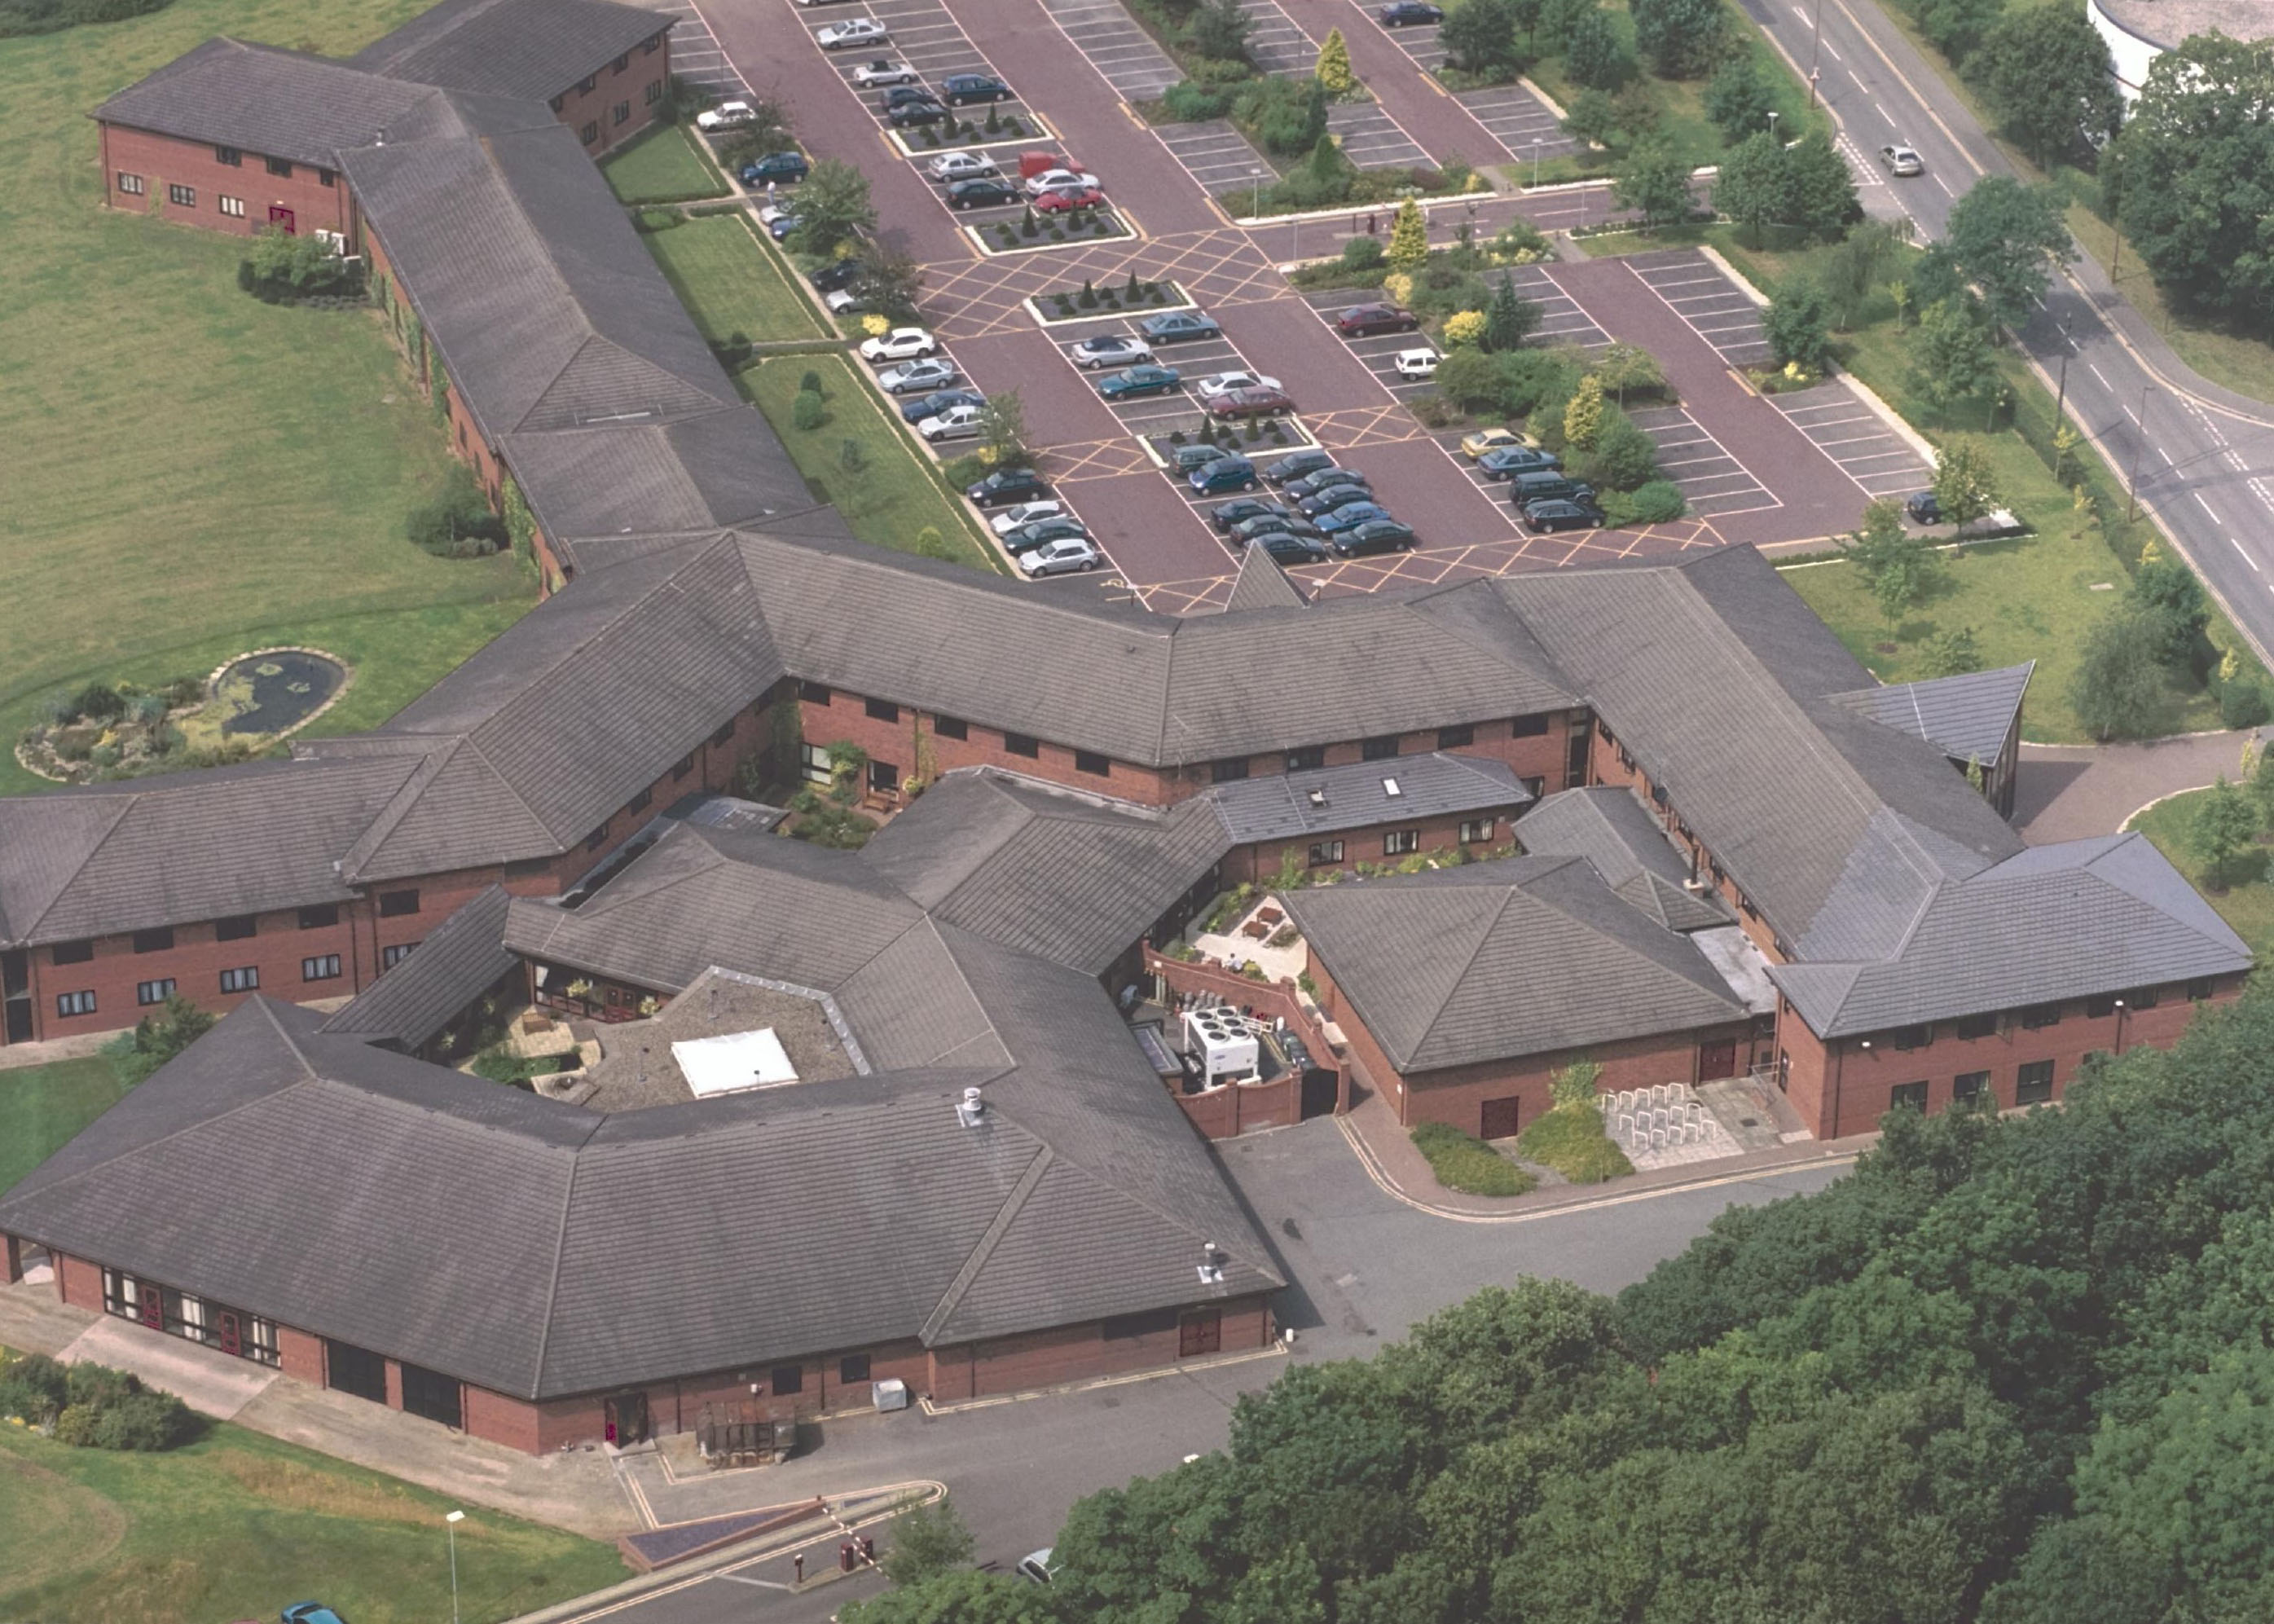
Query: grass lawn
{"x": 731, "y": 284}
{"x": 190, "y": 473}
{"x": 2247, "y": 905}
{"x": 237, "y": 1525}
{"x": 42, "y": 1107}
{"x": 663, "y": 166}
{"x": 895, "y": 493}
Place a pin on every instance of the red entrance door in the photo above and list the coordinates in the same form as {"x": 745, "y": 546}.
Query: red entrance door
{"x": 280, "y": 215}
{"x": 232, "y": 1334}
{"x": 1717, "y": 1059}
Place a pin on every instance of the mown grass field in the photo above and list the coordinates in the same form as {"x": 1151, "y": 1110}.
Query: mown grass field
{"x": 190, "y": 473}
{"x": 730, "y": 283}
{"x": 2248, "y": 905}
{"x": 663, "y": 166}
{"x": 43, "y": 1106}
{"x": 238, "y": 1525}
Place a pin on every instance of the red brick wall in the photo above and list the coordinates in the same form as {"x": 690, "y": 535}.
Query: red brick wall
{"x": 1262, "y": 861}
{"x": 1079, "y": 1353}
{"x": 515, "y": 1422}
{"x": 844, "y": 718}
{"x": 1607, "y": 767}
{"x": 1226, "y": 1113}
{"x": 612, "y": 86}
{"x": 300, "y": 1355}
{"x": 78, "y": 1281}
{"x": 163, "y": 160}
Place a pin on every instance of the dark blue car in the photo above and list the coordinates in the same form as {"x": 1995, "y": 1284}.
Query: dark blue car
{"x": 1227, "y": 473}
{"x": 938, "y": 401}
{"x": 1350, "y": 516}
{"x": 785, "y": 168}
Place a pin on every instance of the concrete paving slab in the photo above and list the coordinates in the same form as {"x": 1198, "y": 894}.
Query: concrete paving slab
{"x": 208, "y": 1380}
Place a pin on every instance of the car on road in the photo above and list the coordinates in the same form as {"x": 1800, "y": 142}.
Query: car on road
{"x": 1506, "y": 461}
{"x": 1145, "y": 380}
{"x": 837, "y": 274}
{"x": 1365, "y": 320}
{"x": 1416, "y": 366}
{"x": 1296, "y": 464}
{"x": 1059, "y": 200}
{"x": 1924, "y": 508}
{"x": 1239, "y": 509}
{"x": 902, "y": 343}
{"x": 938, "y": 401}
{"x": 855, "y": 31}
{"x": 981, "y": 192}
{"x": 1477, "y": 442}
{"x": 1173, "y": 326}
{"x": 1025, "y": 513}
{"x": 310, "y": 1613}
{"x": 1409, "y": 14}
{"x": 1543, "y": 516}
{"x": 778, "y": 168}
{"x": 1323, "y": 477}
{"x": 1184, "y": 458}
{"x": 1374, "y": 535}
{"x": 726, "y": 116}
{"x": 955, "y": 423}
{"x": 963, "y": 88}
{"x": 870, "y": 75}
{"x": 1226, "y": 473}
{"x": 1051, "y": 180}
{"x": 1042, "y": 532}
{"x": 918, "y": 377}
{"x": 1110, "y": 350}
{"x": 1249, "y": 402}
{"x": 1269, "y": 524}
{"x": 1005, "y": 485}
{"x": 1224, "y": 382}
{"x": 1059, "y": 558}
{"x": 962, "y": 166}
{"x": 1901, "y": 160}
{"x": 1036, "y": 1566}
{"x": 1349, "y": 517}
{"x": 910, "y": 115}
{"x": 1287, "y": 548}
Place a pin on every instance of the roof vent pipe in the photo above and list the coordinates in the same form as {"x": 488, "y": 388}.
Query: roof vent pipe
{"x": 971, "y": 1110}
{"x": 380, "y": 140}
{"x": 1211, "y": 1265}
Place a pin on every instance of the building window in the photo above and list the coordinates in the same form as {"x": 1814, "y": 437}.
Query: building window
{"x": 75, "y": 1003}
{"x": 521, "y": 868}
{"x": 1910, "y": 1037}
{"x": 130, "y": 185}
{"x": 587, "y": 82}
{"x": 2142, "y": 998}
{"x": 245, "y": 979}
{"x": 815, "y": 763}
{"x": 2037, "y": 1016}
{"x": 242, "y": 927}
{"x": 229, "y": 156}
{"x": 322, "y": 916}
{"x": 1479, "y": 831}
{"x": 1089, "y": 761}
{"x": 1969, "y": 1086}
{"x": 853, "y": 1367}
{"x": 951, "y": 727}
{"x": 558, "y": 102}
{"x": 390, "y": 956}
{"x": 1535, "y": 786}
{"x": 1978, "y": 1026}
{"x": 1227, "y": 772}
{"x": 787, "y": 1378}
{"x": 1457, "y": 738}
{"x": 323, "y": 967}
{"x": 813, "y": 693}
{"x": 153, "y": 992}
{"x": 1326, "y": 853}
{"x": 260, "y": 1341}
{"x": 181, "y": 196}
{"x": 883, "y": 778}
{"x": 1910, "y": 1094}
{"x": 70, "y": 953}
{"x": 2100, "y": 1006}
{"x": 590, "y": 132}
{"x": 2201, "y": 988}
{"x": 881, "y": 710}
{"x": 597, "y": 839}
{"x": 1378, "y": 749}
{"x": 726, "y": 731}
{"x": 325, "y": 178}
{"x": 682, "y": 767}
{"x": 1021, "y": 745}
{"x": 1401, "y": 843}
{"x": 2033, "y": 1084}
{"x": 160, "y": 940}
{"x": 624, "y": 112}
{"x": 641, "y": 802}
{"x": 121, "y": 1295}
{"x": 1309, "y": 759}
{"x": 622, "y": 62}
{"x": 654, "y": 91}
{"x": 1527, "y": 727}
{"x": 280, "y": 167}
{"x": 395, "y": 904}
{"x": 648, "y": 45}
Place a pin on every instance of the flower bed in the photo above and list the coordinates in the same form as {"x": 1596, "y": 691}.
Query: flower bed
{"x": 1088, "y": 301}
{"x": 124, "y": 730}
{"x": 1467, "y": 1164}
{"x": 1255, "y": 437}
{"x": 1034, "y": 231}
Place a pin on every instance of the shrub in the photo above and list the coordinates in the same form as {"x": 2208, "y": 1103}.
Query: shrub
{"x": 97, "y": 702}
{"x": 1466, "y": 1164}
{"x": 1659, "y": 502}
{"x": 1361, "y": 254}
{"x": 284, "y": 269}
{"x": 34, "y": 1387}
{"x": 157, "y": 1038}
{"x": 1571, "y": 1139}
{"x": 1187, "y": 103}
{"x": 806, "y": 412}
{"x": 97, "y": 1408}
{"x": 457, "y": 523}
{"x": 1622, "y": 458}
{"x": 1464, "y": 329}
{"x": 2243, "y": 705}
{"x": 143, "y": 1422}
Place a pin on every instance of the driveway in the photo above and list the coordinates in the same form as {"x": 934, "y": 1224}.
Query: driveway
{"x": 2069, "y": 791}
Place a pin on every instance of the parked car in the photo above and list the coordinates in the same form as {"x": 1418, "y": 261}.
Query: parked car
{"x": 1036, "y": 1566}
{"x": 1350, "y": 516}
{"x": 1145, "y": 379}
{"x": 1050, "y": 180}
{"x": 1005, "y": 485}
{"x": 1239, "y": 509}
{"x": 1901, "y": 160}
{"x": 1059, "y": 558}
{"x": 1374, "y": 535}
{"x": 1328, "y": 498}
{"x": 1506, "y": 461}
{"x": 902, "y": 343}
{"x": 1224, "y": 382}
{"x": 911, "y": 115}
{"x": 1226, "y": 473}
{"x": 955, "y": 423}
{"x": 1110, "y": 350}
{"x": 856, "y": 31}
{"x": 913, "y": 91}
{"x": 726, "y": 116}
{"x": 984, "y": 192}
{"x": 1042, "y": 532}
{"x": 843, "y": 302}
{"x": 1554, "y": 515}
{"x": 1025, "y": 513}
{"x": 1546, "y": 484}
{"x": 1296, "y": 464}
{"x": 1365, "y": 320}
{"x": 1177, "y": 326}
{"x": 1250, "y": 530}
{"x": 963, "y": 88}
{"x": 779, "y": 223}
{"x": 918, "y": 377}
{"x": 870, "y": 75}
{"x": 1475, "y": 443}
{"x": 1249, "y": 402}
{"x": 1416, "y": 366}
{"x": 310, "y": 1613}
{"x": 837, "y": 274}
{"x": 962, "y": 166}
{"x": 1059, "y": 200}
{"x": 1924, "y": 507}
{"x": 1289, "y": 549}
{"x": 938, "y": 401}
{"x": 1325, "y": 475}
{"x": 782, "y": 168}
{"x": 1409, "y": 14}
{"x": 1200, "y": 454}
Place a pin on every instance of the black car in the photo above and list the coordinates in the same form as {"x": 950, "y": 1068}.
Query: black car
{"x": 908, "y": 113}
{"x": 1328, "y": 498}
{"x": 984, "y": 192}
{"x": 1924, "y": 509}
{"x": 1296, "y": 464}
{"x": 897, "y": 94}
{"x": 1409, "y": 14}
{"x": 1241, "y": 508}
{"x": 1376, "y": 535}
{"x": 964, "y": 87}
{"x": 938, "y": 401}
{"x": 1291, "y": 549}
{"x": 1552, "y": 515}
{"x": 837, "y": 275}
{"x": 1321, "y": 478}
{"x": 1255, "y": 528}
{"x": 1008, "y": 485}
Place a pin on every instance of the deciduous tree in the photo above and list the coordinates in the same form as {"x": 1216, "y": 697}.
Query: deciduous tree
{"x": 1950, "y": 353}
{"x": 1965, "y": 483}
{"x": 1654, "y": 181}
{"x": 2223, "y": 828}
{"x": 1593, "y": 55}
{"x": 1795, "y": 325}
{"x": 2005, "y": 237}
{"x": 1900, "y": 568}
{"x": 1824, "y": 200}
{"x": 1480, "y": 38}
{"x": 2047, "y": 71}
{"x": 2117, "y": 686}
{"x": 833, "y": 206}
{"x": 1738, "y": 99}
{"x": 1754, "y": 185}
{"x": 1679, "y": 39}
{"x": 1219, "y": 30}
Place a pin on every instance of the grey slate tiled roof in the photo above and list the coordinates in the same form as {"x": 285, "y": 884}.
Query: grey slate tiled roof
{"x": 700, "y": 473}
{"x": 530, "y": 49}
{"x": 422, "y": 994}
{"x": 1965, "y": 717}
{"x": 1613, "y": 829}
{"x": 1492, "y": 960}
{"x": 1355, "y": 795}
{"x": 1259, "y": 583}
{"x": 265, "y": 101}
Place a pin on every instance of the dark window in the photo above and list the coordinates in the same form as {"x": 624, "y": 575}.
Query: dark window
{"x": 2037, "y": 1016}
{"x": 1535, "y": 786}
{"x": 1401, "y": 843}
{"x": 1970, "y": 1086}
{"x": 1527, "y": 727}
{"x": 884, "y": 777}
{"x": 1125, "y": 1327}
{"x": 588, "y": 81}
{"x": 817, "y": 767}
{"x": 2143, "y": 997}
{"x": 1978, "y": 1026}
{"x": 390, "y": 956}
{"x": 322, "y": 967}
{"x": 75, "y": 1003}
{"x": 623, "y": 62}
{"x": 1479, "y": 831}
{"x": 624, "y": 112}
{"x": 2033, "y": 1084}
{"x": 590, "y": 132}
{"x": 1658, "y": 795}
{"x": 240, "y": 928}
{"x": 813, "y": 693}
{"x": 319, "y": 917}
{"x": 281, "y": 166}
{"x": 2099, "y": 1006}
{"x": 70, "y": 953}
{"x": 1326, "y": 853}
{"x": 433, "y": 1395}
{"x": 1910, "y": 1037}
{"x": 1378, "y": 749}
{"x": 641, "y": 802}
{"x": 881, "y": 710}
{"x": 521, "y": 868}
{"x": 951, "y": 727}
{"x": 181, "y": 196}
{"x": 597, "y": 839}
{"x": 1457, "y": 738}
{"x": 654, "y": 91}
{"x": 154, "y": 941}
{"x": 1910, "y": 1094}
{"x": 355, "y": 1370}
{"x": 558, "y": 102}
{"x": 228, "y": 156}
{"x": 682, "y": 767}
{"x": 853, "y": 1367}
{"x": 395, "y": 904}
{"x": 1089, "y": 761}
{"x": 325, "y": 178}
{"x": 787, "y": 1379}
{"x": 649, "y": 44}
{"x": 1309, "y": 759}
{"x": 726, "y": 731}
{"x": 244, "y": 980}
{"x": 153, "y": 992}
{"x": 2201, "y": 988}
{"x": 1020, "y": 744}
{"x": 1229, "y": 772}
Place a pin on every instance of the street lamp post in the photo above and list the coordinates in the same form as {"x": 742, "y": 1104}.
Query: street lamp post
{"x": 2061, "y": 395}
{"x": 1815, "y": 50}
{"x": 1535, "y": 163}
{"x": 2132, "y": 497}
{"x": 1772, "y": 124}
{"x": 451, "y": 1521}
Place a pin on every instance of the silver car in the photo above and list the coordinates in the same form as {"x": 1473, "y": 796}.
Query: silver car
{"x": 1110, "y": 350}
{"x": 962, "y": 166}
{"x": 913, "y": 377}
{"x": 1061, "y": 557}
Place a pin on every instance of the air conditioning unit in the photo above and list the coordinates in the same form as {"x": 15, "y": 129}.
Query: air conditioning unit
{"x": 1226, "y": 1048}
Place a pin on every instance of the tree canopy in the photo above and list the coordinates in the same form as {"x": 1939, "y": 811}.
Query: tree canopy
{"x": 2047, "y": 73}
{"x": 2005, "y": 237}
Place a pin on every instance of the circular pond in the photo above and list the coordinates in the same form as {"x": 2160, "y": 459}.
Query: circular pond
{"x": 276, "y": 691}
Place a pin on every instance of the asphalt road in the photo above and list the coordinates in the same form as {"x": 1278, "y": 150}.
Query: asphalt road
{"x": 2204, "y": 456}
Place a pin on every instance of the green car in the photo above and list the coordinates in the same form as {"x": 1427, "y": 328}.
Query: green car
{"x": 1135, "y": 381}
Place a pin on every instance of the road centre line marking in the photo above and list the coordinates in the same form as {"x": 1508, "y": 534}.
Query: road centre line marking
{"x": 2206, "y": 507}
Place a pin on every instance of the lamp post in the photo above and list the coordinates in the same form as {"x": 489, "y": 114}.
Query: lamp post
{"x": 1772, "y": 124}
{"x": 1815, "y": 50}
{"x": 451, "y": 1521}
{"x": 1535, "y": 163}
{"x": 2061, "y": 395}
{"x": 2132, "y": 497}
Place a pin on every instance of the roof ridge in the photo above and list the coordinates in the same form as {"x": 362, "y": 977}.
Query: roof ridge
{"x": 428, "y": 768}
{"x": 1007, "y": 1213}
{"x": 560, "y": 1247}
{"x": 127, "y": 803}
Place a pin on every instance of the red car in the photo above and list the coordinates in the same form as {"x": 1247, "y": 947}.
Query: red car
{"x": 1249, "y": 402}
{"x": 1364, "y": 321}
{"x": 1068, "y": 197}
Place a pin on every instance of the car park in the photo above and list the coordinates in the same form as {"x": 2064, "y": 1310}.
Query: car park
{"x": 1477, "y": 442}
{"x": 918, "y": 377}
{"x": 955, "y": 423}
{"x": 1298, "y": 465}
{"x": 983, "y": 192}
{"x": 962, "y": 166}
{"x": 1110, "y": 350}
{"x": 1059, "y": 558}
{"x": 1506, "y": 461}
{"x": 726, "y": 116}
{"x": 856, "y": 31}
{"x": 1416, "y": 366}
{"x": 1059, "y": 200}
{"x": 1173, "y": 327}
{"x": 1025, "y": 513}
{"x": 869, "y": 75}
{"x": 1409, "y": 14}
{"x": 1547, "y": 486}
{"x": 1051, "y": 180}
{"x": 961, "y": 89}
{"x": 1005, "y": 485}
{"x": 1291, "y": 549}
{"x": 1241, "y": 508}
{"x": 1135, "y": 381}
{"x": 1924, "y": 508}
{"x": 1038, "y": 532}
{"x": 1349, "y": 517}
{"x": 837, "y": 274}
{"x": 1378, "y": 535}
{"x": 1324, "y": 477}
{"x": 1226, "y": 473}
{"x": 1249, "y": 530}
{"x": 910, "y": 115}
{"x": 902, "y": 343}
{"x": 1184, "y": 458}
{"x": 938, "y": 401}
{"x": 782, "y": 168}
{"x": 1901, "y": 160}
{"x": 1552, "y": 515}
{"x": 1365, "y": 320}
{"x": 1224, "y": 382}
{"x": 1248, "y": 404}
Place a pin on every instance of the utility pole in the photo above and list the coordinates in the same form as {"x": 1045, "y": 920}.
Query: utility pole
{"x": 1815, "y": 50}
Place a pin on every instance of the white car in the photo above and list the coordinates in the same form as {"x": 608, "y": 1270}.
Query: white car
{"x": 844, "y": 36}
{"x": 918, "y": 377}
{"x": 870, "y": 75}
{"x": 960, "y": 166}
{"x": 1111, "y": 350}
{"x": 1901, "y": 160}
{"x": 955, "y": 423}
{"x": 1058, "y": 558}
{"x": 1051, "y": 180}
{"x": 726, "y": 116}
{"x": 768, "y": 213}
{"x": 902, "y": 343}
{"x": 1224, "y": 382}
{"x": 1025, "y": 513}
{"x": 1417, "y": 366}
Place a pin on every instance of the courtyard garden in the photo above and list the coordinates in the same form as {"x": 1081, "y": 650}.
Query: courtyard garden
{"x": 665, "y": 165}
